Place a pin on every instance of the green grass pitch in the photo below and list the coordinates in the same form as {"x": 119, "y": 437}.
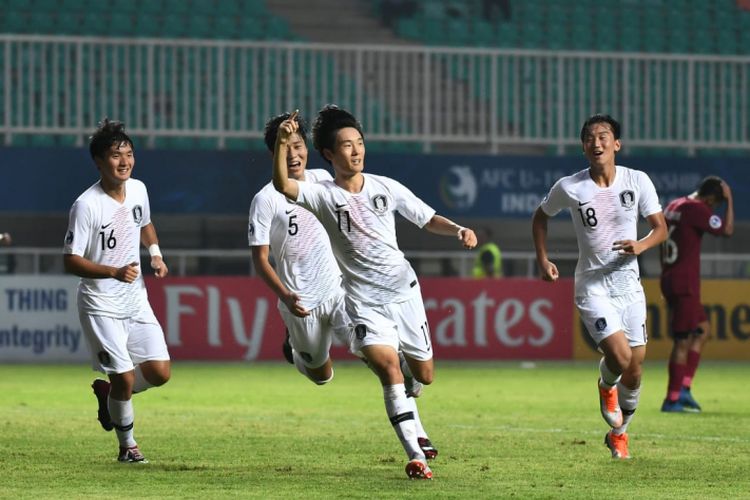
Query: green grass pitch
{"x": 263, "y": 431}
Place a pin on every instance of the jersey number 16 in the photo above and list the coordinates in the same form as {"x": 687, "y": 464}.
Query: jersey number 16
{"x": 110, "y": 242}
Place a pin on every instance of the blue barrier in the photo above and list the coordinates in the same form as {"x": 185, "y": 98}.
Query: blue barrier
{"x": 224, "y": 182}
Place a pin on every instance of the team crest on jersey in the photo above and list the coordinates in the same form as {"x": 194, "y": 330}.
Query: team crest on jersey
{"x": 360, "y": 331}
{"x": 137, "y": 214}
{"x": 600, "y": 324}
{"x": 380, "y": 203}
{"x": 714, "y": 221}
{"x": 627, "y": 198}
{"x": 69, "y": 238}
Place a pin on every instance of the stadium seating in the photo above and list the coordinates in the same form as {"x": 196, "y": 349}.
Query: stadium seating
{"x": 686, "y": 26}
{"x": 225, "y": 19}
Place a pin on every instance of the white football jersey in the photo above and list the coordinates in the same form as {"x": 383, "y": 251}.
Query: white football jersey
{"x": 362, "y": 229}
{"x": 300, "y": 247}
{"x": 102, "y": 230}
{"x": 601, "y": 216}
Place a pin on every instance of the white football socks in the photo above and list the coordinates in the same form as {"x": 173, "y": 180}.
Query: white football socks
{"x": 401, "y": 415}
{"x": 628, "y": 399}
{"x": 122, "y": 415}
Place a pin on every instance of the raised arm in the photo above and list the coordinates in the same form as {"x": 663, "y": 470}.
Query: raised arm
{"x": 539, "y": 233}
{"x": 446, "y": 227}
{"x": 281, "y": 181}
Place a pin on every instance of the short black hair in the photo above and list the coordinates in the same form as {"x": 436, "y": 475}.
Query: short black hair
{"x": 108, "y": 132}
{"x": 271, "y": 131}
{"x": 600, "y": 118}
{"x": 329, "y": 121}
{"x": 711, "y": 186}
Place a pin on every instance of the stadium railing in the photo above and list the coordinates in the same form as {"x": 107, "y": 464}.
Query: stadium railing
{"x": 189, "y": 262}
{"x": 218, "y": 93}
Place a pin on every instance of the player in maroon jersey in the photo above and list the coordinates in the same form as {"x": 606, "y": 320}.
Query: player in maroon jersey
{"x": 688, "y": 218}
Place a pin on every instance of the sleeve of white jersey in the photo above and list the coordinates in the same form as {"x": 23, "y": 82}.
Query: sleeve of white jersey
{"x": 259, "y": 223}
{"x": 410, "y": 205}
{"x": 648, "y": 202}
{"x": 310, "y": 195}
{"x": 556, "y": 199}
{"x": 79, "y": 226}
{"x": 146, "y": 208}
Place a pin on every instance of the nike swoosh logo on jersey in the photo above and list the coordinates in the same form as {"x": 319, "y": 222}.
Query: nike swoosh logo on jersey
{"x": 288, "y": 211}
{"x": 105, "y": 227}
{"x": 580, "y": 204}
{"x": 340, "y": 205}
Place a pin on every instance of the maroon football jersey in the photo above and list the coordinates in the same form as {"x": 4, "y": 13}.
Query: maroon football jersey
{"x": 687, "y": 220}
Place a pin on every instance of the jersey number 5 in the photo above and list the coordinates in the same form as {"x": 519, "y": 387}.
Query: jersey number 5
{"x": 293, "y": 227}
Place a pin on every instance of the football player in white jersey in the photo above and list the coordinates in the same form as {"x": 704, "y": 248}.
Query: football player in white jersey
{"x": 107, "y": 225}
{"x": 605, "y": 202}
{"x": 306, "y": 279}
{"x": 383, "y": 298}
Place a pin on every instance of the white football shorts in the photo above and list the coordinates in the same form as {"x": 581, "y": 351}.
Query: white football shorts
{"x": 604, "y": 316}
{"x": 117, "y": 345}
{"x": 313, "y": 335}
{"x": 402, "y": 325}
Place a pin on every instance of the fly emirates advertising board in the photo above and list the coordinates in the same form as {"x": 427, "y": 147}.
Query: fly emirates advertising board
{"x": 236, "y": 318}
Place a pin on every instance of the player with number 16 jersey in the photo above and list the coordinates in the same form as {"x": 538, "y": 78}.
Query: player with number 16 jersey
{"x": 109, "y": 233}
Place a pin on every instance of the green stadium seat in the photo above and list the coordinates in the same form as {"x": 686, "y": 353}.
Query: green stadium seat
{"x": 204, "y": 8}
{"x": 174, "y": 25}
{"x": 234, "y": 8}
{"x": 19, "y": 5}
{"x": 148, "y": 8}
{"x": 226, "y": 27}
{"x": 148, "y": 26}
{"x": 199, "y": 27}
{"x": 177, "y": 7}
{"x": 14, "y": 21}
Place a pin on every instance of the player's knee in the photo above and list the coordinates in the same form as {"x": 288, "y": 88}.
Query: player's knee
{"x": 622, "y": 360}
{"x": 425, "y": 377}
{"x": 160, "y": 377}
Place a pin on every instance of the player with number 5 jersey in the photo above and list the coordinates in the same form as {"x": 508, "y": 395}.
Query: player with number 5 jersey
{"x": 305, "y": 276}
{"x": 605, "y": 201}
{"x": 383, "y": 298}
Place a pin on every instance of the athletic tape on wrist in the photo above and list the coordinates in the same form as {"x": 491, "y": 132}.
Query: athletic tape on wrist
{"x": 154, "y": 250}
